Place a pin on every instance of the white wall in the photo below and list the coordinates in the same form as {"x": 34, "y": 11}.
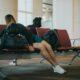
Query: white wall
{"x": 62, "y": 15}
{"x": 7, "y": 7}
{"x": 66, "y": 15}
{"x": 76, "y": 28}
{"x": 76, "y": 19}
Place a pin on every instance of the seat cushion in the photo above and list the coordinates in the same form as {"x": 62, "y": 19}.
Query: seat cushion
{"x": 63, "y": 38}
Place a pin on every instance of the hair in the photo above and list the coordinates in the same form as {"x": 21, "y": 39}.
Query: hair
{"x": 37, "y": 22}
{"x": 9, "y": 18}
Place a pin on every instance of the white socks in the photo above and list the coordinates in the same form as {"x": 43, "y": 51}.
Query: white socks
{"x": 58, "y": 69}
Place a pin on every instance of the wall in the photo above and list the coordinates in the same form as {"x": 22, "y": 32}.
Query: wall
{"x": 76, "y": 21}
{"x": 76, "y": 27}
{"x": 66, "y": 15}
{"x": 62, "y": 15}
{"x": 10, "y": 7}
{"x": 37, "y": 8}
{"x": 7, "y": 7}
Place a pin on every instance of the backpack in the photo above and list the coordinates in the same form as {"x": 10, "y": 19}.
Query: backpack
{"x": 52, "y": 38}
{"x": 11, "y": 38}
{"x": 17, "y": 41}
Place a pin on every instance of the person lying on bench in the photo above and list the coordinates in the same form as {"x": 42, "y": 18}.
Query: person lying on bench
{"x": 34, "y": 42}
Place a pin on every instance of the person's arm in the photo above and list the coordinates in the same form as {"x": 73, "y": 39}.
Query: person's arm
{"x": 1, "y": 33}
{"x": 26, "y": 33}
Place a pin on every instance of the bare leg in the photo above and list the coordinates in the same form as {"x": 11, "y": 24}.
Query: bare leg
{"x": 45, "y": 53}
{"x": 48, "y": 54}
{"x": 50, "y": 51}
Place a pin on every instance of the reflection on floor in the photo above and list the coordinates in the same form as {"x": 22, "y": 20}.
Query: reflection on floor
{"x": 62, "y": 59}
{"x": 31, "y": 69}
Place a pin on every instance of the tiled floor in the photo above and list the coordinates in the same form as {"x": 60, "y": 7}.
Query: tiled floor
{"x": 62, "y": 59}
{"x": 73, "y": 71}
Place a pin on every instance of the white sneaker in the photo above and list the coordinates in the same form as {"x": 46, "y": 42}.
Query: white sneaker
{"x": 59, "y": 69}
{"x": 12, "y": 63}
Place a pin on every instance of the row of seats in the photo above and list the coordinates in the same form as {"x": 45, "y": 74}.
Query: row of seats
{"x": 64, "y": 42}
{"x": 63, "y": 37}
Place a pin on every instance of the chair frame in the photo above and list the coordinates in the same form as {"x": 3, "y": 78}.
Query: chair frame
{"x": 70, "y": 47}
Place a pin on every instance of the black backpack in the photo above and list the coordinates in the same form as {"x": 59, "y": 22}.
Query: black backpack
{"x": 11, "y": 38}
{"x": 52, "y": 38}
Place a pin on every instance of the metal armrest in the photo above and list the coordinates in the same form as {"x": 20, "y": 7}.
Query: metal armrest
{"x": 74, "y": 40}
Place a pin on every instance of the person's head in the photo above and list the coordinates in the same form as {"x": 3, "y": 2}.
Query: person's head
{"x": 9, "y": 19}
{"x": 37, "y": 22}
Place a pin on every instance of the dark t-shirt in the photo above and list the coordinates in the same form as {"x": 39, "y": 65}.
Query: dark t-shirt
{"x": 37, "y": 39}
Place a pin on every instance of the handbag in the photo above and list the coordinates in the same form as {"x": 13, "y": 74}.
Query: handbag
{"x": 52, "y": 38}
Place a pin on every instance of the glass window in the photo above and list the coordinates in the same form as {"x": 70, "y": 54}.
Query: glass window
{"x": 29, "y": 5}
{"x": 47, "y": 9}
{"x": 25, "y": 11}
{"x": 22, "y": 18}
{"x": 29, "y": 19}
{"x": 21, "y": 5}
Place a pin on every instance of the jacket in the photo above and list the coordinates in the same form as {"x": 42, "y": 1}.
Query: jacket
{"x": 15, "y": 29}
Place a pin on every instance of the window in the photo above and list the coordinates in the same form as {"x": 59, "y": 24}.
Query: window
{"x": 25, "y": 11}
{"x": 47, "y": 9}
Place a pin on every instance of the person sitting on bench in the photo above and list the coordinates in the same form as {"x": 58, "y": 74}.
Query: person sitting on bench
{"x": 35, "y": 42}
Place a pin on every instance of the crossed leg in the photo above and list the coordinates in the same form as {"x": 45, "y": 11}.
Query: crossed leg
{"x": 48, "y": 54}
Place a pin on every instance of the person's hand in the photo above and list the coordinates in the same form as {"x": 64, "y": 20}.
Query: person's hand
{"x": 31, "y": 48}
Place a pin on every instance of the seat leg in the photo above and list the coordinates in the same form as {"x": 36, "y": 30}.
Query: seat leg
{"x": 42, "y": 60}
{"x": 15, "y": 61}
{"x": 74, "y": 58}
